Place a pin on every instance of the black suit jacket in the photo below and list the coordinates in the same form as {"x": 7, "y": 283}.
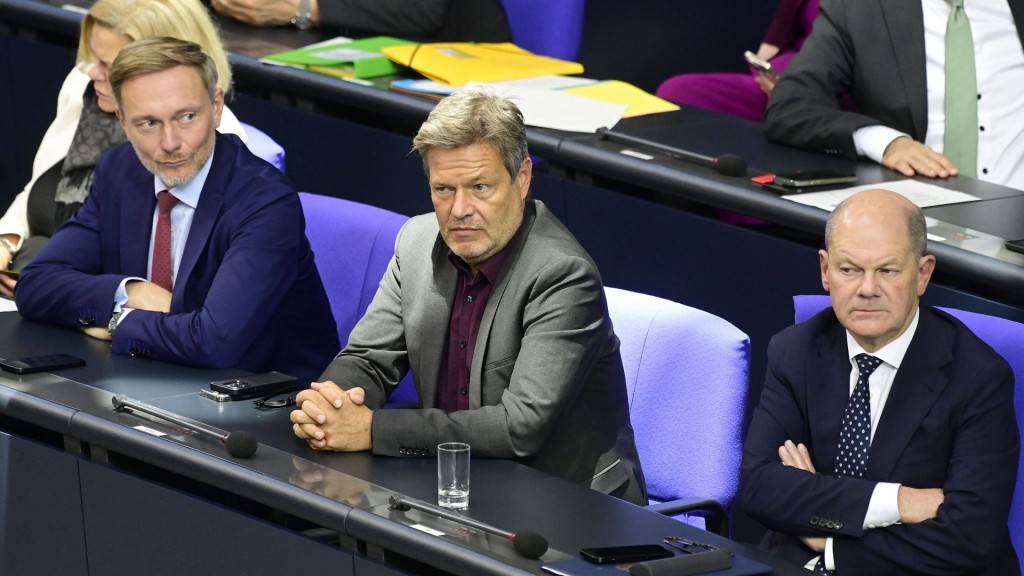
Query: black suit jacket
{"x": 948, "y": 422}
{"x": 424, "y": 20}
{"x": 872, "y": 50}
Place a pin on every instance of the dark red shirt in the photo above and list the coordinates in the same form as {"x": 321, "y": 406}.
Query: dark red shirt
{"x": 471, "y": 296}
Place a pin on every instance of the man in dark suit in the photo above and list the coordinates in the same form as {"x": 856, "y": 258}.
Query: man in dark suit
{"x": 888, "y": 57}
{"x": 221, "y": 273}
{"x": 500, "y": 315}
{"x": 929, "y": 490}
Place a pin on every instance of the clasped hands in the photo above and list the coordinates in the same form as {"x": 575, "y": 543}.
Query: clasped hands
{"x": 915, "y": 504}
{"x": 329, "y": 418}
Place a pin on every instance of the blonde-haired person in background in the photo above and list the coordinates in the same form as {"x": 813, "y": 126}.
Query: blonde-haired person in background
{"x": 86, "y": 124}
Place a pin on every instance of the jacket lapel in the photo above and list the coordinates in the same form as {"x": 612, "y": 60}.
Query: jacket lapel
{"x": 904, "y": 21}
{"x": 211, "y": 202}
{"x": 436, "y": 320}
{"x": 918, "y": 385}
{"x": 828, "y": 391}
{"x": 138, "y": 204}
{"x": 497, "y": 294}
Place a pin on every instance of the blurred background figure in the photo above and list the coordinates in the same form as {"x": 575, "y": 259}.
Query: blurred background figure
{"x": 424, "y": 20}
{"x": 746, "y": 94}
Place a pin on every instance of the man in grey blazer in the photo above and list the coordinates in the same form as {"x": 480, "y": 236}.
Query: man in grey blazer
{"x": 500, "y": 315}
{"x": 887, "y": 56}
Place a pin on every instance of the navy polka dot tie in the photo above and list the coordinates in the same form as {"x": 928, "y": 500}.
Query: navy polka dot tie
{"x": 855, "y": 435}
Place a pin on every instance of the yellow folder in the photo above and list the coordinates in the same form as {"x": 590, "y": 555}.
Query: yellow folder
{"x": 456, "y": 63}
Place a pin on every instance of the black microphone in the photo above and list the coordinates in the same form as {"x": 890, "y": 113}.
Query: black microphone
{"x": 726, "y": 164}
{"x": 527, "y": 542}
{"x": 240, "y": 444}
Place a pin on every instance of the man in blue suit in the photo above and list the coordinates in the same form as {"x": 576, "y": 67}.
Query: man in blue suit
{"x": 221, "y": 273}
{"x": 929, "y": 490}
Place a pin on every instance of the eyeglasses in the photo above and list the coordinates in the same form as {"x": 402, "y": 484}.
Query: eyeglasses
{"x": 691, "y": 546}
{"x": 266, "y": 403}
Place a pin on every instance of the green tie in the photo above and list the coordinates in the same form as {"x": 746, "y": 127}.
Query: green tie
{"x": 961, "y": 140}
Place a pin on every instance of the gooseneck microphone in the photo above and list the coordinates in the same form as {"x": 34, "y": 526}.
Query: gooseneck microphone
{"x": 526, "y": 542}
{"x": 726, "y": 164}
{"x": 240, "y": 444}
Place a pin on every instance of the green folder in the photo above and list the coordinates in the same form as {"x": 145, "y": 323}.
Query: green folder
{"x": 356, "y": 59}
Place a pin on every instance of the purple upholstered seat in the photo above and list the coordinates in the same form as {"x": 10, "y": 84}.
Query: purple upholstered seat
{"x": 353, "y": 244}
{"x": 262, "y": 145}
{"x": 1007, "y": 338}
{"x": 548, "y": 27}
{"x": 687, "y": 376}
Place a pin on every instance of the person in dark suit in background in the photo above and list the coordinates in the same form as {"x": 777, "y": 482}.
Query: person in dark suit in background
{"x": 221, "y": 273}
{"x": 909, "y": 469}
{"x": 890, "y": 57}
{"x": 499, "y": 314}
{"x": 423, "y": 20}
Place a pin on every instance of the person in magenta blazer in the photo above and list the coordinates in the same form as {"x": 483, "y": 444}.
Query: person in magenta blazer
{"x": 246, "y": 293}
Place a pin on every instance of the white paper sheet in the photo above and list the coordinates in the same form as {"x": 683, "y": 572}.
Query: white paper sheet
{"x": 920, "y": 193}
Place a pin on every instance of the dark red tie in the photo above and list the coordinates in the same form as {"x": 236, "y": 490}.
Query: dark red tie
{"x": 161, "y": 273}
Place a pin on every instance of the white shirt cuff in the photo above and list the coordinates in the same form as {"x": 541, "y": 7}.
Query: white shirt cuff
{"x": 871, "y": 141}
{"x": 883, "y": 508}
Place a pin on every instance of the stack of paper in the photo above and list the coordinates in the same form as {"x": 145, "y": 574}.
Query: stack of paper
{"x": 457, "y": 63}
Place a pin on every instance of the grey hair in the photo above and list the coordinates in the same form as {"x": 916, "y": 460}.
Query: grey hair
{"x": 475, "y": 115}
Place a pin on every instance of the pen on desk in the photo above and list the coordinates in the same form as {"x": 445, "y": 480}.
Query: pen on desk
{"x": 726, "y": 164}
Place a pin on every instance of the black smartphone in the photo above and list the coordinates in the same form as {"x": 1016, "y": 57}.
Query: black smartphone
{"x": 255, "y": 386}
{"x": 1015, "y": 246}
{"x": 618, "y": 554}
{"x": 802, "y": 179}
{"x": 47, "y": 363}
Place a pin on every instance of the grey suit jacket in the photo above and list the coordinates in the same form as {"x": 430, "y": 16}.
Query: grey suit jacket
{"x": 547, "y": 385}
{"x": 872, "y": 50}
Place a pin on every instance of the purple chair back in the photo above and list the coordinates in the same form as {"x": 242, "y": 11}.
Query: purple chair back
{"x": 1004, "y": 336}
{"x": 352, "y": 244}
{"x": 262, "y": 145}
{"x": 549, "y": 27}
{"x": 687, "y": 376}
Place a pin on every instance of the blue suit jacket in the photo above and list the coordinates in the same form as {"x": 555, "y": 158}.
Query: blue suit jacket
{"x": 948, "y": 422}
{"x": 247, "y": 292}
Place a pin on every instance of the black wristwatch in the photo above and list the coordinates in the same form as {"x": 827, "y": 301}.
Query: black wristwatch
{"x": 303, "y": 18}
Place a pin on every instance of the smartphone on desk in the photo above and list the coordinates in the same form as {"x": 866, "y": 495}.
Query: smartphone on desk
{"x": 1015, "y": 246}
{"x": 810, "y": 178}
{"x": 620, "y": 554}
{"x": 46, "y": 363}
{"x": 253, "y": 386}
{"x": 760, "y": 65}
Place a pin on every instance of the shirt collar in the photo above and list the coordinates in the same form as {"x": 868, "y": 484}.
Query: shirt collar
{"x": 189, "y": 193}
{"x": 893, "y": 352}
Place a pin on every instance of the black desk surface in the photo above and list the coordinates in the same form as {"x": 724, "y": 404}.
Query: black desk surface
{"x": 344, "y": 492}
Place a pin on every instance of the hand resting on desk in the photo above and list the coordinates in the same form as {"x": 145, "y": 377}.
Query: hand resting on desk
{"x": 909, "y": 157}
{"x": 330, "y": 418}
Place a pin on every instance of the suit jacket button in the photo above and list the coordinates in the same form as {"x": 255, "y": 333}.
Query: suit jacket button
{"x": 402, "y": 451}
{"x": 830, "y": 524}
{"x": 815, "y": 520}
{"x": 839, "y": 525}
